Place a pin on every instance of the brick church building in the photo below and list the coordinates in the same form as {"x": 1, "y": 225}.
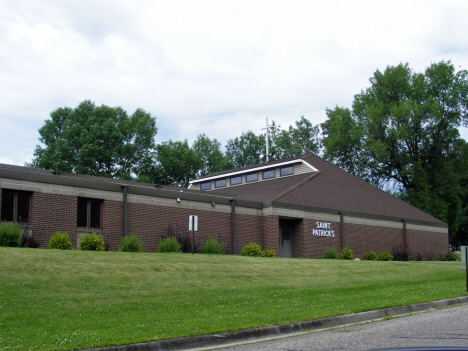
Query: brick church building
{"x": 297, "y": 207}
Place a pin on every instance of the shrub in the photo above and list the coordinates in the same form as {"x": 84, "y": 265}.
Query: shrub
{"x": 385, "y": 256}
{"x": 92, "y": 242}
{"x": 183, "y": 237}
{"x": 212, "y": 246}
{"x": 28, "y": 240}
{"x": 448, "y": 256}
{"x": 401, "y": 253}
{"x": 417, "y": 257}
{"x": 60, "y": 241}
{"x": 252, "y": 250}
{"x": 430, "y": 256}
{"x": 458, "y": 255}
{"x": 330, "y": 253}
{"x": 346, "y": 254}
{"x": 130, "y": 243}
{"x": 169, "y": 244}
{"x": 369, "y": 256}
{"x": 10, "y": 234}
{"x": 268, "y": 253}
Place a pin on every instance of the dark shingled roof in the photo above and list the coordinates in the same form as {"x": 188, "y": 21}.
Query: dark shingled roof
{"x": 330, "y": 188}
{"x": 264, "y": 190}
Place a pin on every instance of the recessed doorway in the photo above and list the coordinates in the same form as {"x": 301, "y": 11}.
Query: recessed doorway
{"x": 287, "y": 232}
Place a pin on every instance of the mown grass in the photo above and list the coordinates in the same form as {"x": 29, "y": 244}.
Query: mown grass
{"x": 55, "y": 300}
{"x": 444, "y": 263}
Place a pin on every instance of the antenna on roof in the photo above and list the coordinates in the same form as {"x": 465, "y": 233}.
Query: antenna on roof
{"x": 262, "y": 156}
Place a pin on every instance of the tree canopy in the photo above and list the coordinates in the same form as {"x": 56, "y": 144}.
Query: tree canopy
{"x": 245, "y": 150}
{"x": 175, "y": 164}
{"x": 209, "y": 152}
{"x": 294, "y": 141}
{"x": 301, "y": 140}
{"x": 402, "y": 134}
{"x": 96, "y": 140}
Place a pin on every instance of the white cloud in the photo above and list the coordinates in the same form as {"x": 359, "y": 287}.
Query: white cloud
{"x": 208, "y": 67}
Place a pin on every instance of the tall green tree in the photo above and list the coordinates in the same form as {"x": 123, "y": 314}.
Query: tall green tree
{"x": 296, "y": 141}
{"x": 176, "y": 164}
{"x": 209, "y": 151}
{"x": 96, "y": 140}
{"x": 245, "y": 150}
{"x": 402, "y": 132}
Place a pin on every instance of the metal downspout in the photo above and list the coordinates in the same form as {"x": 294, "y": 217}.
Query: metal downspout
{"x": 125, "y": 212}
{"x": 233, "y": 225}
{"x": 404, "y": 234}
{"x": 342, "y": 231}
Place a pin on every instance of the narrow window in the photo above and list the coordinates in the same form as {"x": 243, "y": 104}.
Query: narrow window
{"x": 220, "y": 183}
{"x": 89, "y": 213}
{"x": 205, "y": 186}
{"x": 286, "y": 171}
{"x": 269, "y": 174}
{"x": 95, "y": 213}
{"x": 236, "y": 180}
{"x": 82, "y": 212}
{"x": 252, "y": 177}
{"x": 15, "y": 206}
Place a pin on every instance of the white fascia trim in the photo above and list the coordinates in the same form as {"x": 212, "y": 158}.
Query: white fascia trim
{"x": 251, "y": 170}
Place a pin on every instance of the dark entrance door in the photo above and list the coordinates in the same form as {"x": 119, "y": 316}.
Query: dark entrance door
{"x": 286, "y": 234}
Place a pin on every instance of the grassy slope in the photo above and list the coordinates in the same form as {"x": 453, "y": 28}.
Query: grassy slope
{"x": 51, "y": 300}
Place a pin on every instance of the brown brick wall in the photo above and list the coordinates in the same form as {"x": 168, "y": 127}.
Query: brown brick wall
{"x": 271, "y": 234}
{"x": 150, "y": 223}
{"x": 314, "y": 246}
{"x": 361, "y": 238}
{"x": 298, "y": 239}
{"x": 427, "y": 243}
{"x": 51, "y": 213}
{"x": 112, "y": 224}
{"x": 248, "y": 229}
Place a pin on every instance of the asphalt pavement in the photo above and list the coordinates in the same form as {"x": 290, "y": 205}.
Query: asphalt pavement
{"x": 441, "y": 327}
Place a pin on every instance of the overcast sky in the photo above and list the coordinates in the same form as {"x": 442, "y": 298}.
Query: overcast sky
{"x": 213, "y": 67}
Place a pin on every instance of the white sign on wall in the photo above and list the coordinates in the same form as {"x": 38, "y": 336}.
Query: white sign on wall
{"x": 193, "y": 223}
{"x": 323, "y": 229}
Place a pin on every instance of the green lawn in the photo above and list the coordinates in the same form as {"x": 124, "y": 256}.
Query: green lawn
{"x": 54, "y": 300}
{"x": 445, "y": 263}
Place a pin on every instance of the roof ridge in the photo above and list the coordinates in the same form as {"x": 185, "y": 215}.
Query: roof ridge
{"x": 291, "y": 188}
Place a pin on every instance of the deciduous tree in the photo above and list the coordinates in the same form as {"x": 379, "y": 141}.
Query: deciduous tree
{"x": 96, "y": 140}
{"x": 402, "y": 133}
{"x": 245, "y": 150}
{"x": 296, "y": 141}
{"x": 209, "y": 151}
{"x": 176, "y": 164}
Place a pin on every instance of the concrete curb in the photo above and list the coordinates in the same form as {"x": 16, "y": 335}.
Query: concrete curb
{"x": 241, "y": 336}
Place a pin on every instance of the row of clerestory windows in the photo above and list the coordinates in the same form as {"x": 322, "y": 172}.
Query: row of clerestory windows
{"x": 250, "y": 177}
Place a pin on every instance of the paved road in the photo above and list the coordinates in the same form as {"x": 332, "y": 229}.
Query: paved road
{"x": 445, "y": 327}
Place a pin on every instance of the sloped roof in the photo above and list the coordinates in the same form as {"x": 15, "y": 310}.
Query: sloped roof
{"x": 330, "y": 188}
{"x": 262, "y": 191}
